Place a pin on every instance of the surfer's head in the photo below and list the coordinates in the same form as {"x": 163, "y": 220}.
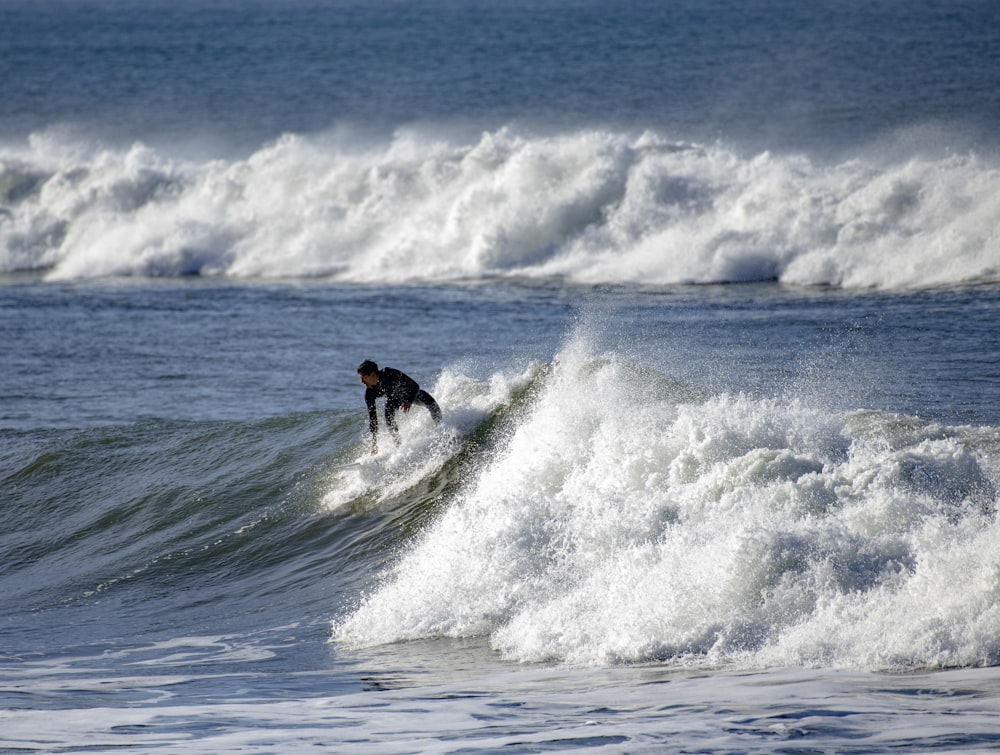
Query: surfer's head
{"x": 368, "y": 371}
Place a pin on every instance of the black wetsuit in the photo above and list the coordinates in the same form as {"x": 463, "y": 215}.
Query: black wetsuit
{"x": 398, "y": 389}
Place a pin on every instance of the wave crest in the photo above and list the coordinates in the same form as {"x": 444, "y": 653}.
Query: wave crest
{"x": 589, "y": 206}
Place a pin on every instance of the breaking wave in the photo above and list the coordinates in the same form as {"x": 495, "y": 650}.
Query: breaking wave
{"x": 727, "y": 530}
{"x": 589, "y": 206}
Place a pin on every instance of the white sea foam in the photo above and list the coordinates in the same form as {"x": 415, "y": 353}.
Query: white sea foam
{"x": 590, "y": 206}
{"x": 735, "y": 531}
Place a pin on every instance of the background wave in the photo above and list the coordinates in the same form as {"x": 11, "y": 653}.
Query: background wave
{"x": 593, "y": 206}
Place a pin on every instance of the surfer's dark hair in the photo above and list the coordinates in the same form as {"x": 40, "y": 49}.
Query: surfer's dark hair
{"x": 367, "y": 367}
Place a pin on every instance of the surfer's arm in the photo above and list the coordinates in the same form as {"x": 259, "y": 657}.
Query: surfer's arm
{"x": 372, "y": 420}
{"x": 410, "y": 389}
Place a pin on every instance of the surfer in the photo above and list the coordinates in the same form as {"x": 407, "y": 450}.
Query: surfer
{"x": 399, "y": 390}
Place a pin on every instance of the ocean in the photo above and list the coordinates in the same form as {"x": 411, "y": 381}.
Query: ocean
{"x": 708, "y": 293}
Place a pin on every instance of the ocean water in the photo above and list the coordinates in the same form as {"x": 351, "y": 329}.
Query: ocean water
{"x": 708, "y": 292}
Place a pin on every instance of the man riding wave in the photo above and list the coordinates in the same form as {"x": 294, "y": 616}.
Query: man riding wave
{"x": 399, "y": 390}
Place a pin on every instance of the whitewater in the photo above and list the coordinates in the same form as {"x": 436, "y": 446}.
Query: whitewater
{"x": 723, "y": 532}
{"x": 593, "y": 206}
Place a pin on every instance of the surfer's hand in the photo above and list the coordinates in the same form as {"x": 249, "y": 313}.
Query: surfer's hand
{"x": 406, "y": 408}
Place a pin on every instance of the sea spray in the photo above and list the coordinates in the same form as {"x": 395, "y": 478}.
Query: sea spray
{"x": 615, "y": 525}
{"x": 359, "y": 478}
{"x": 588, "y": 205}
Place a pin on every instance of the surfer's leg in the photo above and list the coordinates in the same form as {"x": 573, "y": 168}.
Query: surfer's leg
{"x": 423, "y": 397}
{"x": 390, "y": 417}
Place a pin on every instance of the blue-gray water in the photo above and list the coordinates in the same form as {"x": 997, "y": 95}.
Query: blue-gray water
{"x": 771, "y": 72}
{"x": 707, "y": 293}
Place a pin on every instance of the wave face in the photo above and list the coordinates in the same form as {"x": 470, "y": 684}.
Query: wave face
{"x": 141, "y": 529}
{"x": 650, "y": 525}
{"x": 589, "y": 206}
